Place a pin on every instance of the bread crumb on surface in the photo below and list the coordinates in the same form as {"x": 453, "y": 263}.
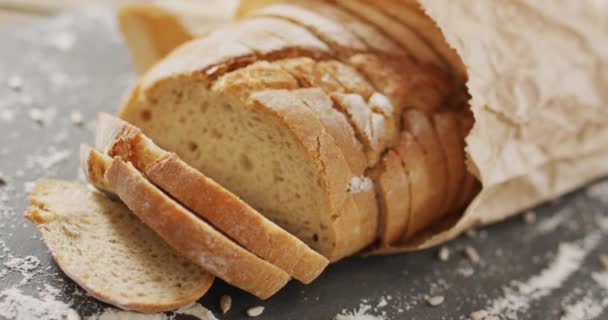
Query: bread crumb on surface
{"x": 478, "y": 315}
{"x": 36, "y": 115}
{"x": 225, "y": 303}
{"x": 15, "y": 83}
{"x": 604, "y": 260}
{"x": 77, "y": 118}
{"x": 255, "y": 311}
{"x": 530, "y": 217}
{"x": 443, "y": 254}
{"x": 472, "y": 254}
{"x": 435, "y": 300}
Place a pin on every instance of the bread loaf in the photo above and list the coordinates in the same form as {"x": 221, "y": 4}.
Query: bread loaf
{"x": 102, "y": 246}
{"x": 380, "y": 96}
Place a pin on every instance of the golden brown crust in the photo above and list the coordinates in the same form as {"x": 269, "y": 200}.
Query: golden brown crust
{"x": 448, "y": 131}
{"x": 409, "y": 40}
{"x": 419, "y": 125}
{"x": 394, "y": 191}
{"x": 421, "y": 186}
{"x": 204, "y": 245}
{"x": 340, "y": 39}
{"x": 413, "y": 17}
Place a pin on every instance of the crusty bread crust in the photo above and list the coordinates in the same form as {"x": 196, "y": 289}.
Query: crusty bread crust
{"x": 203, "y": 244}
{"x": 394, "y": 191}
{"x": 209, "y": 200}
{"x": 448, "y": 131}
{"x": 414, "y": 17}
{"x": 43, "y": 219}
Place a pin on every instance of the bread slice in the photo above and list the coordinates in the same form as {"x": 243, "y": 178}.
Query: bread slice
{"x": 209, "y": 200}
{"x": 102, "y": 246}
{"x": 395, "y": 199}
{"x": 447, "y": 127}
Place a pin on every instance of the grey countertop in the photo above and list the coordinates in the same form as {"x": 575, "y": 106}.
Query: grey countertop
{"x": 54, "y": 69}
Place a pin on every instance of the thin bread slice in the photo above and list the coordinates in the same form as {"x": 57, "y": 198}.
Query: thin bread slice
{"x": 448, "y": 131}
{"x": 106, "y": 250}
{"x": 208, "y": 199}
{"x": 409, "y": 40}
{"x": 420, "y": 126}
{"x": 191, "y": 236}
{"x": 394, "y": 198}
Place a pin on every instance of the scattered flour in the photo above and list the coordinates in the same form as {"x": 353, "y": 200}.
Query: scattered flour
{"x": 363, "y": 313}
{"x": 27, "y": 266}
{"x": 63, "y": 41}
{"x": 591, "y": 305}
{"x": 14, "y": 304}
{"x": 360, "y": 184}
{"x": 552, "y": 223}
{"x": 598, "y": 191}
{"x": 518, "y": 296}
{"x": 195, "y": 310}
{"x": 48, "y": 159}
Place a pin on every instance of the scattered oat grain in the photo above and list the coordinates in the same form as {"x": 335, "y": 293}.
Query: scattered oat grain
{"x": 472, "y": 254}
{"x": 444, "y": 254}
{"x": 255, "y": 311}
{"x": 567, "y": 309}
{"x": 15, "y": 83}
{"x": 225, "y": 303}
{"x": 435, "y": 300}
{"x": 478, "y": 315}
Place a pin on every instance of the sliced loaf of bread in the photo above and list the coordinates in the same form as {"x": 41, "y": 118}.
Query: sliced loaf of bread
{"x": 204, "y": 102}
{"x": 104, "y": 248}
{"x": 189, "y": 235}
{"x": 277, "y": 158}
{"x": 206, "y": 198}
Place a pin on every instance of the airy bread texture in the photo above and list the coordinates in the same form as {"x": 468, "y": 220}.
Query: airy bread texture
{"x": 207, "y": 199}
{"x": 104, "y": 248}
{"x": 384, "y": 93}
{"x": 189, "y": 235}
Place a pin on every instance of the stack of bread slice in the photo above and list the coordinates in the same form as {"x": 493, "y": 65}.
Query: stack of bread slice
{"x": 303, "y": 133}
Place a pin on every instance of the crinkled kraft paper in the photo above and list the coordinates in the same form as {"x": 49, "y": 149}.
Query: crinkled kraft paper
{"x": 538, "y": 77}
